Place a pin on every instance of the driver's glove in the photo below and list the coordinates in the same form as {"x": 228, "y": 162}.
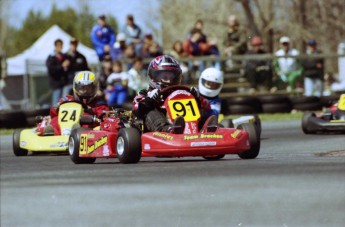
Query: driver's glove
{"x": 195, "y": 92}
{"x": 153, "y": 97}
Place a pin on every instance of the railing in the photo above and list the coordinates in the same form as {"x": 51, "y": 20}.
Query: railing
{"x": 234, "y": 76}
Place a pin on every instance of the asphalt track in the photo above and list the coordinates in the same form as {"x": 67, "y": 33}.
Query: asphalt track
{"x": 289, "y": 184}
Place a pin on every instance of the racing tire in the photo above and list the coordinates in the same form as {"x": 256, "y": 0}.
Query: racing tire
{"x": 74, "y": 145}
{"x": 242, "y": 109}
{"x": 277, "y": 108}
{"x": 308, "y": 106}
{"x": 305, "y": 122}
{"x": 128, "y": 145}
{"x": 214, "y": 157}
{"x": 254, "y": 141}
{"x": 258, "y": 124}
{"x": 16, "y": 144}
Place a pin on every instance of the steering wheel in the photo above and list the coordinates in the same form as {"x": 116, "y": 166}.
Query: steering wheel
{"x": 165, "y": 92}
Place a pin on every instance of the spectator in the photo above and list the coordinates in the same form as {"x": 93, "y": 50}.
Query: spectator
{"x": 117, "y": 91}
{"x": 102, "y": 37}
{"x": 258, "y": 72}
{"x": 78, "y": 63}
{"x": 149, "y": 48}
{"x": 178, "y": 52}
{"x": 313, "y": 71}
{"x": 104, "y": 72}
{"x": 57, "y": 65}
{"x": 199, "y": 24}
{"x": 137, "y": 80}
{"x": 288, "y": 69}
{"x": 235, "y": 40}
{"x": 119, "y": 48}
{"x": 130, "y": 55}
{"x": 194, "y": 48}
{"x": 133, "y": 32}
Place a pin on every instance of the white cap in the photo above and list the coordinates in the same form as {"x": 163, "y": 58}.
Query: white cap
{"x": 284, "y": 39}
{"x": 121, "y": 37}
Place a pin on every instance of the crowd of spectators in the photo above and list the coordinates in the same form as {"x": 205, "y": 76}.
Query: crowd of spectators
{"x": 122, "y": 56}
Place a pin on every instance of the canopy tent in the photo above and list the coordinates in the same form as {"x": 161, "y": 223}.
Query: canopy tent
{"x": 41, "y": 49}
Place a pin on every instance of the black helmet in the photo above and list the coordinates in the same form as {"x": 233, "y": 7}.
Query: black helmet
{"x": 164, "y": 71}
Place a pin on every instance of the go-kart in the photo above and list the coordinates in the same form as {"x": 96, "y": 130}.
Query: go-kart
{"x": 123, "y": 136}
{"x": 70, "y": 117}
{"x": 331, "y": 120}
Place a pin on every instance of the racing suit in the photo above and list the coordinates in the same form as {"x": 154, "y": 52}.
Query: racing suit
{"x": 215, "y": 103}
{"x": 155, "y": 118}
{"x": 95, "y": 107}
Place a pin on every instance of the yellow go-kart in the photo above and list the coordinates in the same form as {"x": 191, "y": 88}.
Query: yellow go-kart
{"x": 70, "y": 117}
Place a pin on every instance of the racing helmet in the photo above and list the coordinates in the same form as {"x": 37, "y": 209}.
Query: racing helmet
{"x": 211, "y": 82}
{"x": 85, "y": 86}
{"x": 164, "y": 71}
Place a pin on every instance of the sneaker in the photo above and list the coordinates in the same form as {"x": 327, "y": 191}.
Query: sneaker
{"x": 211, "y": 124}
{"x": 178, "y": 126}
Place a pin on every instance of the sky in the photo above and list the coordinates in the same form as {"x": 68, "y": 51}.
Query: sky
{"x": 18, "y": 9}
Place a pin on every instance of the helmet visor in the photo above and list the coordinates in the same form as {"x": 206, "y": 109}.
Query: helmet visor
{"x": 167, "y": 77}
{"x": 211, "y": 85}
{"x": 83, "y": 90}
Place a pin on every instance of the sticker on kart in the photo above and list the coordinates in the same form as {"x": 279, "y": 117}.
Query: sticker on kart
{"x": 86, "y": 148}
{"x": 188, "y": 108}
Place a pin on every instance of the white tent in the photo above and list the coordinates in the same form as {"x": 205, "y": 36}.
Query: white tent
{"x": 41, "y": 49}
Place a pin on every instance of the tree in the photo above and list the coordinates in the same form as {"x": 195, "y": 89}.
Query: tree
{"x": 77, "y": 24}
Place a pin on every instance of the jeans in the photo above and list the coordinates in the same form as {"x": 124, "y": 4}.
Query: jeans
{"x": 313, "y": 86}
{"x": 56, "y": 95}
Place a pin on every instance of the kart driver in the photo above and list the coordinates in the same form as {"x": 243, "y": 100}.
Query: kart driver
{"x": 85, "y": 87}
{"x": 165, "y": 71}
{"x": 210, "y": 83}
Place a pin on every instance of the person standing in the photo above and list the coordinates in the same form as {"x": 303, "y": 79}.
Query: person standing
{"x": 235, "y": 40}
{"x": 313, "y": 71}
{"x": 288, "y": 69}
{"x": 78, "y": 63}
{"x": 132, "y": 32}
{"x": 57, "y": 64}
{"x": 102, "y": 37}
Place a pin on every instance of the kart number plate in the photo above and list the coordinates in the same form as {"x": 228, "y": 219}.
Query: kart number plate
{"x": 341, "y": 104}
{"x": 188, "y": 108}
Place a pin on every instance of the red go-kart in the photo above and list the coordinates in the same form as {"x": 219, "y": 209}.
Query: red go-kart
{"x": 123, "y": 136}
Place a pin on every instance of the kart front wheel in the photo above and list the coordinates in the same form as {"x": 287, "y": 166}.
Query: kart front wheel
{"x": 305, "y": 122}
{"x": 16, "y": 144}
{"x": 254, "y": 141}
{"x": 74, "y": 146}
{"x": 128, "y": 145}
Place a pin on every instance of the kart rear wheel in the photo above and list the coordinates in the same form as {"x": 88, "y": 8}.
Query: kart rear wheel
{"x": 305, "y": 122}
{"x": 128, "y": 145}
{"x": 74, "y": 145}
{"x": 254, "y": 140}
{"x": 214, "y": 157}
{"x": 16, "y": 144}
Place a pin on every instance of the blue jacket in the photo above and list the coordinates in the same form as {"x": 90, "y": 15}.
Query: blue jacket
{"x": 101, "y": 36}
